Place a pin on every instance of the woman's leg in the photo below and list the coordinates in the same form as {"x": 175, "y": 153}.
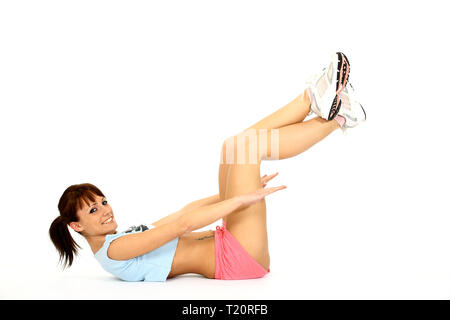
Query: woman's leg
{"x": 238, "y": 177}
{"x": 295, "y": 111}
{"x": 274, "y": 143}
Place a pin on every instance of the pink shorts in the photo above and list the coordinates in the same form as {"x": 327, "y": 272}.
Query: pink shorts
{"x": 232, "y": 261}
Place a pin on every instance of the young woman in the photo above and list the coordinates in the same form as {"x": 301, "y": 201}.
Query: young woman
{"x": 239, "y": 248}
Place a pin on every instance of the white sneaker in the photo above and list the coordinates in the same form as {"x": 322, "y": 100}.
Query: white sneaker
{"x": 324, "y": 88}
{"x": 351, "y": 109}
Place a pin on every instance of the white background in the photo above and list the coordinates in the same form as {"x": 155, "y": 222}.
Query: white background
{"x": 137, "y": 98}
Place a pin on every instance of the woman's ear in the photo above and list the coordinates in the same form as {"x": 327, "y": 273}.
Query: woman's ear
{"x": 76, "y": 226}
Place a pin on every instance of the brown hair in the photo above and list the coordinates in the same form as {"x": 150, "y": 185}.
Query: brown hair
{"x": 69, "y": 203}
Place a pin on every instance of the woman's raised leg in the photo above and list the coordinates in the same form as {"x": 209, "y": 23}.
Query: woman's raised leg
{"x": 293, "y": 112}
{"x": 239, "y": 173}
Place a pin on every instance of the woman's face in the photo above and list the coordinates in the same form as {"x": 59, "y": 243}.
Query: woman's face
{"x": 97, "y": 218}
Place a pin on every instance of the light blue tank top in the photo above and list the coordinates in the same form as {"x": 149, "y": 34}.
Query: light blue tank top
{"x": 152, "y": 266}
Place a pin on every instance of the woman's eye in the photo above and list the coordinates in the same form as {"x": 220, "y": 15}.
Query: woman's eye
{"x": 105, "y": 202}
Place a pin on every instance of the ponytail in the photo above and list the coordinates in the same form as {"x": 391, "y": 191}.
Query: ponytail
{"x": 63, "y": 241}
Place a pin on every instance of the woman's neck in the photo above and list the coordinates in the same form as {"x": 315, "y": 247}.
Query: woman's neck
{"x": 96, "y": 242}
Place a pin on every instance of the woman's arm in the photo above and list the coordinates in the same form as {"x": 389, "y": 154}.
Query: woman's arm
{"x": 192, "y": 205}
{"x": 200, "y": 217}
{"x": 133, "y": 245}
{"x": 203, "y": 202}
{"x": 136, "y": 244}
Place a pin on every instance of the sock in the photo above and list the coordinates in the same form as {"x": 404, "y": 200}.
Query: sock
{"x": 340, "y": 119}
{"x": 310, "y": 96}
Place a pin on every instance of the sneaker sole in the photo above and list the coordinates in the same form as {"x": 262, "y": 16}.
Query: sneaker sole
{"x": 335, "y": 107}
{"x": 343, "y": 74}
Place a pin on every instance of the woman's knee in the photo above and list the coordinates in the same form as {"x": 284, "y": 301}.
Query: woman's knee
{"x": 243, "y": 148}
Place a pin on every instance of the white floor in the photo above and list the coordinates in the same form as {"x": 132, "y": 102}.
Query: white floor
{"x": 274, "y": 286}
{"x": 312, "y": 276}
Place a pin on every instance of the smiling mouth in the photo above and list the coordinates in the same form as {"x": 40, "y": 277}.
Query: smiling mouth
{"x": 108, "y": 220}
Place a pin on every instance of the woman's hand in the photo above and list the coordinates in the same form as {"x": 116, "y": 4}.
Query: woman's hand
{"x": 265, "y": 178}
{"x": 250, "y": 198}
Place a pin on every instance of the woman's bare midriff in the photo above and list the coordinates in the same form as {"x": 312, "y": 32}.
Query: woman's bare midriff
{"x": 195, "y": 253}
